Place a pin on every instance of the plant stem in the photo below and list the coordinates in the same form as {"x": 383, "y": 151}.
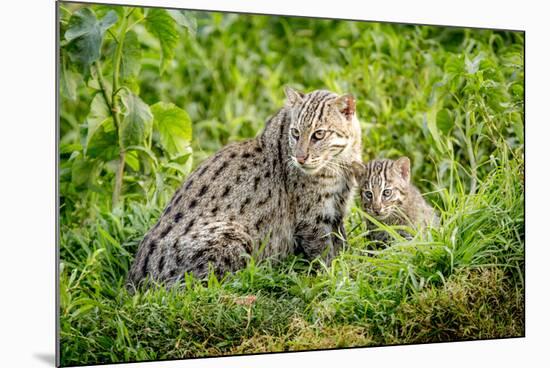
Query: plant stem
{"x": 115, "y": 111}
{"x": 101, "y": 82}
{"x": 118, "y": 178}
{"x": 471, "y": 156}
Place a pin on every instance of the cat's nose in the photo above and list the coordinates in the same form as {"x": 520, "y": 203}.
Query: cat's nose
{"x": 301, "y": 159}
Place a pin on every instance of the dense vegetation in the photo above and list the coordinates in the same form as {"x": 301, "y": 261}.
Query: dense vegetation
{"x": 146, "y": 95}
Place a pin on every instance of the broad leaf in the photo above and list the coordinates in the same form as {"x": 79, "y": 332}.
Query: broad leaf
{"x": 68, "y": 80}
{"x": 132, "y": 160}
{"x": 102, "y": 9}
{"x": 131, "y": 56}
{"x": 159, "y": 23}
{"x": 184, "y": 19}
{"x": 85, "y": 34}
{"x": 84, "y": 171}
{"x": 104, "y": 142}
{"x": 137, "y": 122}
{"x": 98, "y": 115}
{"x": 146, "y": 151}
{"x": 174, "y": 127}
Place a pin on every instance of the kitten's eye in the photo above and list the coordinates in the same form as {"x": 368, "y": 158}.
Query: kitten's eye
{"x": 319, "y": 134}
{"x": 368, "y": 194}
{"x": 386, "y": 193}
{"x": 295, "y": 133}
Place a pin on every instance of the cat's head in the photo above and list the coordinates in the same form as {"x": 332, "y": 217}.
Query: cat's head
{"x": 324, "y": 131}
{"x": 383, "y": 184}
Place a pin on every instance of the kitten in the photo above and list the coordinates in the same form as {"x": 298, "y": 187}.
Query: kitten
{"x": 290, "y": 185}
{"x": 388, "y": 195}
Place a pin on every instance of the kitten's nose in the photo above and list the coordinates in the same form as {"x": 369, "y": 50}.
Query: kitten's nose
{"x": 301, "y": 159}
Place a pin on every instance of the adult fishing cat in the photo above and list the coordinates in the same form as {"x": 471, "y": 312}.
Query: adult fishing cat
{"x": 289, "y": 186}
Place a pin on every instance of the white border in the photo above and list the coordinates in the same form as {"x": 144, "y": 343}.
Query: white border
{"x": 27, "y": 181}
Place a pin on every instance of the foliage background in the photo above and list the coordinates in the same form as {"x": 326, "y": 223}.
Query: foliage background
{"x": 190, "y": 82}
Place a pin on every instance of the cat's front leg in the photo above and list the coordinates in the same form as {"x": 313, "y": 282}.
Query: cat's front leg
{"x": 379, "y": 238}
{"x": 317, "y": 240}
{"x": 405, "y": 234}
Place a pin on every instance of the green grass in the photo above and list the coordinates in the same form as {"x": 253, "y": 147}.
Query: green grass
{"x": 450, "y": 99}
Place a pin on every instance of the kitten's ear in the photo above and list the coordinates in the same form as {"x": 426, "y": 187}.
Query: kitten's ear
{"x": 293, "y": 97}
{"x": 403, "y": 166}
{"x": 346, "y": 105}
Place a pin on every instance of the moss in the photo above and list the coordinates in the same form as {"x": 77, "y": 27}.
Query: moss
{"x": 473, "y": 304}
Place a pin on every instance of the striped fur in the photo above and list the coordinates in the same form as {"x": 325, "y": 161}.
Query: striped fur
{"x": 323, "y": 111}
{"x": 388, "y": 195}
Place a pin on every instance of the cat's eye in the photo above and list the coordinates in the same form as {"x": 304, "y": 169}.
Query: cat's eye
{"x": 368, "y": 194}
{"x": 319, "y": 134}
{"x": 386, "y": 193}
{"x": 295, "y": 133}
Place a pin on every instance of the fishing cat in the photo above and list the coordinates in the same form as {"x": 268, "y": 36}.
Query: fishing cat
{"x": 388, "y": 195}
{"x": 289, "y": 186}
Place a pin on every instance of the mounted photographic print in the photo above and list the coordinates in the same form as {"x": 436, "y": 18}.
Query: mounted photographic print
{"x": 238, "y": 184}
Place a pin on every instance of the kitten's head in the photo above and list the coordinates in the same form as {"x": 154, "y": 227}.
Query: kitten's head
{"x": 383, "y": 184}
{"x": 324, "y": 132}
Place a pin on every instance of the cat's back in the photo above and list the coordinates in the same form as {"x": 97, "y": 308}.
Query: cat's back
{"x": 225, "y": 186}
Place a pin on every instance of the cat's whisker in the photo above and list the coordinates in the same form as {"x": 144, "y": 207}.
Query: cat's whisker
{"x": 291, "y": 162}
{"x": 335, "y": 167}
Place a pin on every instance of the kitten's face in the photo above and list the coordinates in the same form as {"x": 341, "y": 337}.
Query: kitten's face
{"x": 321, "y": 131}
{"x": 383, "y": 186}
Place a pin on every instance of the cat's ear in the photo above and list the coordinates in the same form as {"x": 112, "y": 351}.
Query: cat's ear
{"x": 403, "y": 166}
{"x": 358, "y": 169}
{"x": 346, "y": 105}
{"x": 293, "y": 97}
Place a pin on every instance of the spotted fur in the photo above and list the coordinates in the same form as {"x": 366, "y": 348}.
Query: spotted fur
{"x": 258, "y": 190}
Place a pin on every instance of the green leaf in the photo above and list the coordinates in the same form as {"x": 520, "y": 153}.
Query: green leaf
{"x": 68, "y": 80}
{"x": 132, "y": 160}
{"x": 85, "y": 35}
{"x": 455, "y": 65}
{"x": 137, "y": 122}
{"x": 430, "y": 120}
{"x": 84, "y": 171}
{"x": 473, "y": 66}
{"x": 159, "y": 23}
{"x": 174, "y": 127}
{"x": 184, "y": 167}
{"x": 102, "y": 9}
{"x": 68, "y": 148}
{"x": 184, "y": 19}
{"x": 130, "y": 63}
{"x": 148, "y": 153}
{"x": 98, "y": 115}
{"x": 444, "y": 120}
{"x": 104, "y": 142}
